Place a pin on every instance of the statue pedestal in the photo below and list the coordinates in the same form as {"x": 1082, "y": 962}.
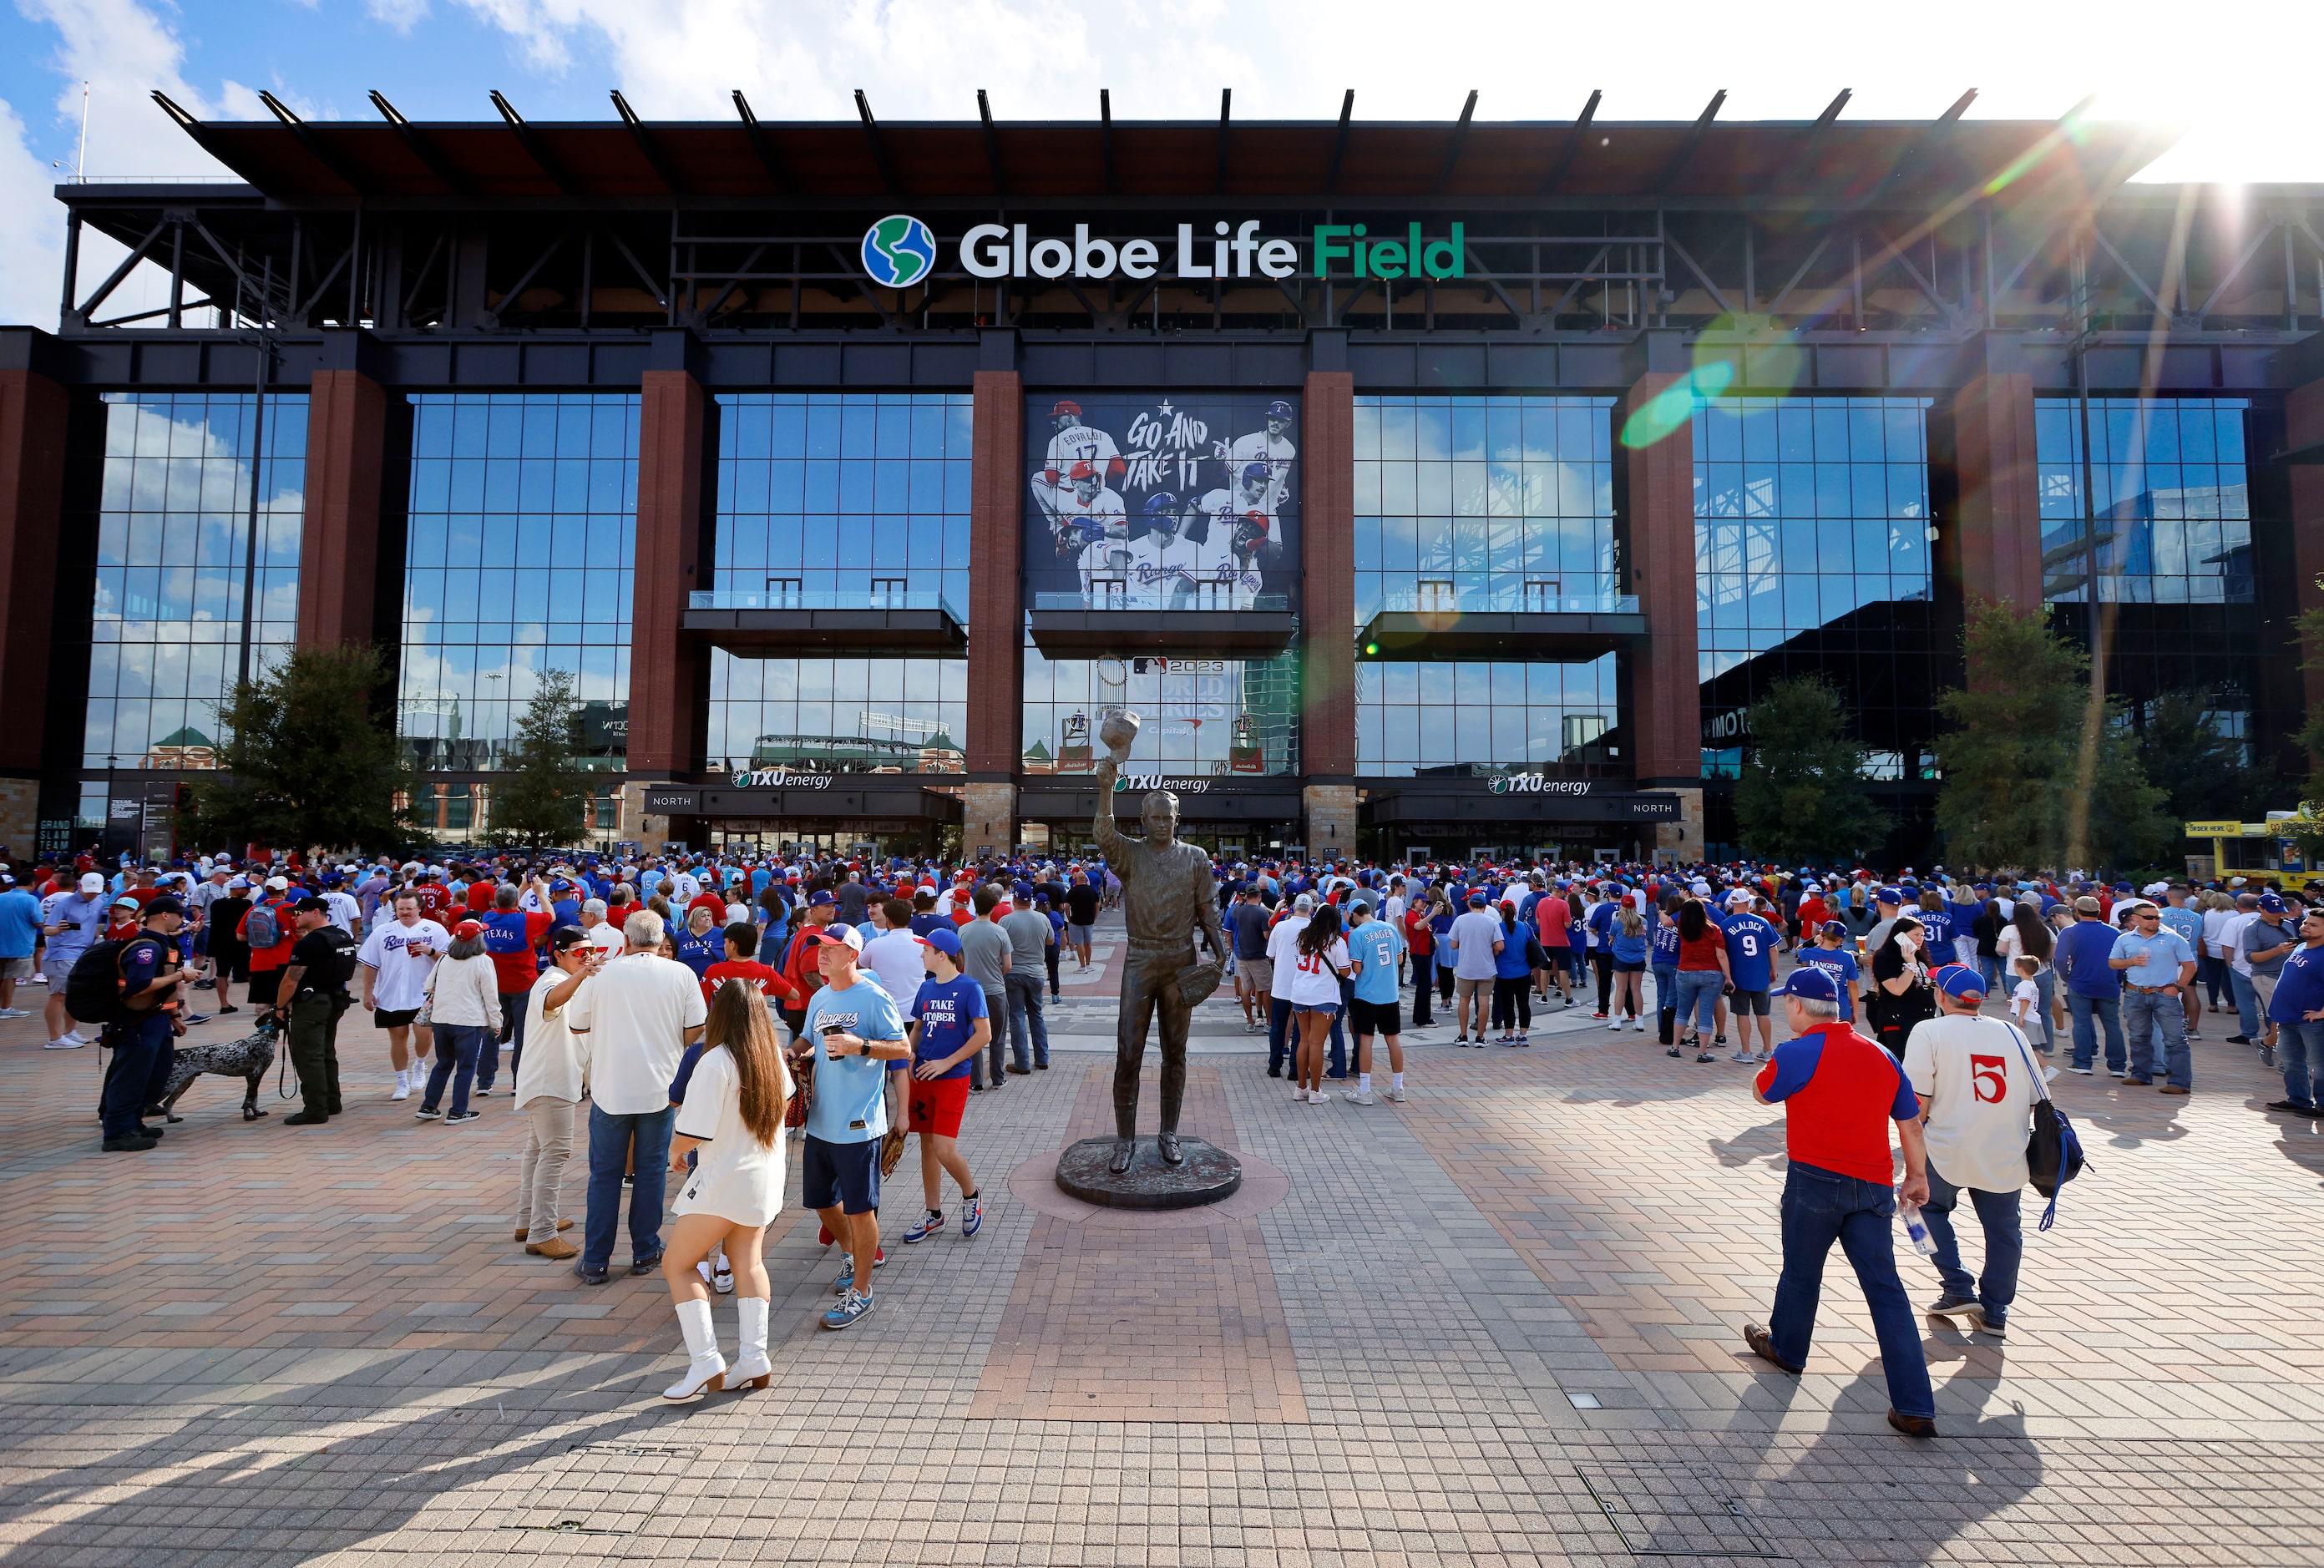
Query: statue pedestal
{"x": 1208, "y": 1174}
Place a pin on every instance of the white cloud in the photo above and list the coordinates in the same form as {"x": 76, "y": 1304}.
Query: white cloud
{"x": 31, "y": 252}
{"x": 400, "y": 16}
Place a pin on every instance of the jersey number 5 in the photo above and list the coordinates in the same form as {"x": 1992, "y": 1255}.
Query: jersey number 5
{"x": 1989, "y": 1074}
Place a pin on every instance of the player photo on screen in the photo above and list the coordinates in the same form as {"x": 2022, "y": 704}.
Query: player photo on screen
{"x": 1161, "y": 501}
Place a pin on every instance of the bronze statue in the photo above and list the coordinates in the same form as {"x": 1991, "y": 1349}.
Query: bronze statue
{"x": 1166, "y": 892}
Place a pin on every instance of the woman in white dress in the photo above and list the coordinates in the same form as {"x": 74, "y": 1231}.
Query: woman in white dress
{"x": 733, "y": 1116}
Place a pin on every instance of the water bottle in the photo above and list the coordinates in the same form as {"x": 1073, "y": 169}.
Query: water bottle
{"x": 1916, "y": 1228}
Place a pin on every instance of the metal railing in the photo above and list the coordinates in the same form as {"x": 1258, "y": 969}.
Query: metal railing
{"x": 1571, "y": 597}
{"x": 1127, "y": 597}
{"x": 818, "y": 599}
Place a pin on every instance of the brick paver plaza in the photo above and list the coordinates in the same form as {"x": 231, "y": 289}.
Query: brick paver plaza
{"x": 1497, "y": 1325}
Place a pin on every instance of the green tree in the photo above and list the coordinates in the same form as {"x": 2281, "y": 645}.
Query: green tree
{"x": 2009, "y": 751}
{"x": 1801, "y": 795}
{"x": 304, "y": 761}
{"x": 543, "y": 794}
{"x": 2202, "y": 773}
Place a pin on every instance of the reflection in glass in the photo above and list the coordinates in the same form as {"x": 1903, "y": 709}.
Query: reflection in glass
{"x": 522, "y": 525}
{"x": 2169, "y": 520}
{"x": 173, "y": 536}
{"x": 837, "y": 715}
{"x": 1198, "y": 715}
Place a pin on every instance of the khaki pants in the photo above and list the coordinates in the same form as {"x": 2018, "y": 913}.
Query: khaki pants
{"x": 547, "y": 1145}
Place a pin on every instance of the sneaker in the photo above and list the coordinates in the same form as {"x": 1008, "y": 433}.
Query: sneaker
{"x": 929, "y": 1224}
{"x": 1460, "y": 1039}
{"x": 428, "y": 1113}
{"x": 402, "y": 1086}
{"x": 1950, "y": 1305}
{"x": 1672, "y": 1052}
{"x": 13, "y": 1012}
{"x": 1615, "y": 1025}
{"x": 1765, "y": 1056}
{"x": 846, "y": 1281}
{"x": 460, "y": 1116}
{"x": 205, "y": 985}
{"x": 2085, "y": 1072}
{"x": 1393, "y": 1096}
{"x": 1718, "y": 1040}
{"x": 722, "y": 1279}
{"x": 78, "y": 1039}
{"x": 64, "y": 1043}
{"x": 1597, "y": 1015}
{"x": 1741, "y": 1055}
{"x": 972, "y": 1219}
{"x": 1985, "y": 1322}
{"x": 1706, "y": 1057}
{"x": 850, "y": 1306}
{"x": 1359, "y": 1097}
{"x": 2293, "y": 1107}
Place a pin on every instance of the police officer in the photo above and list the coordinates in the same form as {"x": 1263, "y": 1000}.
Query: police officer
{"x": 314, "y": 993}
{"x": 142, "y": 1034}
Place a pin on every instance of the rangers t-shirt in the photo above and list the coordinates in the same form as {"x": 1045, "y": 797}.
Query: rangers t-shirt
{"x": 946, "y": 1011}
{"x": 1840, "y": 965}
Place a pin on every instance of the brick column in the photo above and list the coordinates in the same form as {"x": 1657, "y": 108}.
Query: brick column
{"x": 338, "y": 545}
{"x": 32, "y": 412}
{"x": 996, "y": 614}
{"x": 1665, "y": 684}
{"x": 1999, "y": 547}
{"x": 1327, "y": 610}
{"x": 664, "y": 664}
{"x": 2303, "y": 426}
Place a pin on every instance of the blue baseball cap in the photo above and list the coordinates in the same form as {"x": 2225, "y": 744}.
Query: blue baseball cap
{"x": 1810, "y": 984}
{"x": 944, "y": 939}
{"x": 1888, "y": 896}
{"x": 1477, "y": 901}
{"x": 1961, "y": 982}
{"x": 822, "y": 896}
{"x": 1833, "y": 929}
{"x": 2271, "y": 904}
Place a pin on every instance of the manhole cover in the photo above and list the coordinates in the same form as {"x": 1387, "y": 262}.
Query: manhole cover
{"x": 603, "y": 1489}
{"x": 1670, "y": 1511}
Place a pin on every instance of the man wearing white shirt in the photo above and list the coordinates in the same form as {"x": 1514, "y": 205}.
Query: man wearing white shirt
{"x": 638, "y": 1013}
{"x": 549, "y": 1079}
{"x": 602, "y": 933}
{"x": 394, "y": 964}
{"x": 1282, "y": 959}
{"x": 1476, "y": 938}
{"x": 2248, "y": 1023}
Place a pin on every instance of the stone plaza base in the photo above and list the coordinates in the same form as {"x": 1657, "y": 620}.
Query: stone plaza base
{"x": 1207, "y": 1175}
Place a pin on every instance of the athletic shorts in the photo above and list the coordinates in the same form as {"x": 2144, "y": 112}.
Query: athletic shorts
{"x": 263, "y": 984}
{"x": 934, "y": 1106}
{"x": 392, "y": 1018}
{"x": 1464, "y": 988}
{"x": 1079, "y": 935}
{"x": 1376, "y": 1018}
{"x": 846, "y": 1174}
{"x": 1749, "y": 1004}
{"x": 58, "y": 969}
{"x": 1261, "y": 972}
{"x": 16, "y": 968}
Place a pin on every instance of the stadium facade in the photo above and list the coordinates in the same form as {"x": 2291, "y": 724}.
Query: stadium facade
{"x": 1438, "y": 485}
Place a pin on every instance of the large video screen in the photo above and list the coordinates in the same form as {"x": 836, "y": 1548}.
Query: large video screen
{"x": 1162, "y": 502}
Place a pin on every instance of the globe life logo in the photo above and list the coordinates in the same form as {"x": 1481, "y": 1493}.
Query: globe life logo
{"x": 900, "y": 250}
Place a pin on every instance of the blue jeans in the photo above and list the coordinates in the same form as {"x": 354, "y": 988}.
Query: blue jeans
{"x": 2107, "y": 1011}
{"x": 1666, "y": 1002}
{"x": 2004, "y": 1243}
{"x": 2300, "y": 1048}
{"x": 2143, "y": 1013}
{"x": 1698, "y": 1000}
{"x": 457, "y": 1048}
{"x": 2247, "y": 1018}
{"x": 1280, "y": 1044}
{"x": 1821, "y": 1207}
{"x": 771, "y": 943}
{"x": 611, "y": 1138}
{"x": 1024, "y": 1005}
{"x": 2213, "y": 973}
{"x": 1988, "y": 969}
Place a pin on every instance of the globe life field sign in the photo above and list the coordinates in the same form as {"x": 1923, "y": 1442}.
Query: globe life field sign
{"x": 900, "y": 251}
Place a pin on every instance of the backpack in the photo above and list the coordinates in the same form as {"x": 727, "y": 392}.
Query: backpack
{"x": 262, "y": 928}
{"x": 93, "y": 986}
{"x": 2054, "y": 1152}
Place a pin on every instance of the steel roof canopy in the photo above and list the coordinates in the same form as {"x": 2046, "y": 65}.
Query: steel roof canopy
{"x": 1898, "y": 163}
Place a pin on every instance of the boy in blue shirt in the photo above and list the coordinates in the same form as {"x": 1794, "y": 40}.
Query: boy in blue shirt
{"x": 1832, "y": 955}
{"x": 1751, "y": 942}
{"x": 853, "y": 1030}
{"x": 950, "y": 1024}
{"x": 1375, "y": 949}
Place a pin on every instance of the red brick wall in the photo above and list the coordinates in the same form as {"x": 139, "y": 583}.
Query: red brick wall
{"x": 32, "y": 494}
{"x": 2001, "y": 545}
{"x": 996, "y": 612}
{"x": 1327, "y": 731}
{"x": 1666, "y": 696}
{"x": 338, "y": 547}
{"x": 664, "y": 724}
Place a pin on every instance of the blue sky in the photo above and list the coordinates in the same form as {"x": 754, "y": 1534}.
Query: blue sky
{"x": 2247, "y": 103}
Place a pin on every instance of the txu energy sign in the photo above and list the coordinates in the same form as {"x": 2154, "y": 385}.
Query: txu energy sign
{"x": 995, "y": 250}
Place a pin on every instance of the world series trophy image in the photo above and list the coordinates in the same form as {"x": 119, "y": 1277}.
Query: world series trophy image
{"x": 1168, "y": 896}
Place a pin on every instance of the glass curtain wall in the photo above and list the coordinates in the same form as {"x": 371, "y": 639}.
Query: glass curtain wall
{"x": 175, "y": 542}
{"x": 1198, "y": 715}
{"x": 2160, "y": 539}
{"x": 523, "y": 522}
{"x": 1501, "y": 503}
{"x": 1812, "y": 558}
{"x": 842, "y": 500}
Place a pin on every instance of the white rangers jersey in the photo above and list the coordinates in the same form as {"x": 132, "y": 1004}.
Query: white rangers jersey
{"x": 1278, "y": 453}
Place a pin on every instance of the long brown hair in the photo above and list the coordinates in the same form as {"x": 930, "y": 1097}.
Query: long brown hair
{"x": 738, "y": 1022}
